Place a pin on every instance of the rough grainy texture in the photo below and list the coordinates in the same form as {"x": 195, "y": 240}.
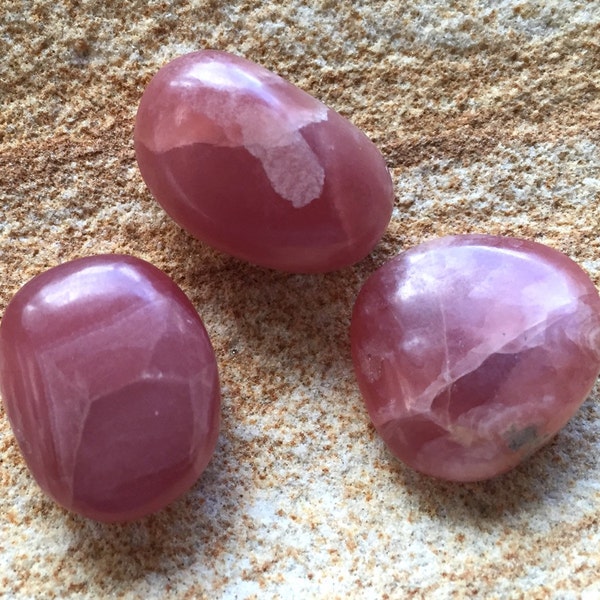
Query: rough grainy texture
{"x": 487, "y": 114}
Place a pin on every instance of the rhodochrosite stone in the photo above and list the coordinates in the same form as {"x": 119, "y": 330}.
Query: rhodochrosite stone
{"x": 257, "y": 168}
{"x": 110, "y": 384}
{"x": 472, "y": 351}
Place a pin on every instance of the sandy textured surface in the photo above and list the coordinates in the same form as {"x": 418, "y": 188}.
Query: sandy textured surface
{"x": 488, "y": 115}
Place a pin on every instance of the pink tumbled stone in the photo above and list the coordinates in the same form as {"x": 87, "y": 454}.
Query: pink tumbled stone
{"x": 259, "y": 169}
{"x": 472, "y": 351}
{"x": 110, "y": 384}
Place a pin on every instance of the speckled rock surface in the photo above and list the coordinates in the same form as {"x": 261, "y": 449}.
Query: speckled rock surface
{"x": 487, "y": 114}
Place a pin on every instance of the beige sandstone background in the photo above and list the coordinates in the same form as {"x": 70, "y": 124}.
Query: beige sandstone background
{"x": 488, "y": 114}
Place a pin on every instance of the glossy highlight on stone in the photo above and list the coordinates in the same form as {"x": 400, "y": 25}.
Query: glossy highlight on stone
{"x": 110, "y": 383}
{"x": 473, "y": 351}
{"x": 259, "y": 169}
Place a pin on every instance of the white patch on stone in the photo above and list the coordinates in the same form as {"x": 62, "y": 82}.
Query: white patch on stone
{"x": 293, "y": 170}
{"x": 269, "y": 130}
{"x": 273, "y": 136}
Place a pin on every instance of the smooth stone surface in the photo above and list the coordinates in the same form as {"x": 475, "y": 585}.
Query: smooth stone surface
{"x": 257, "y": 168}
{"x": 472, "y": 351}
{"x": 110, "y": 384}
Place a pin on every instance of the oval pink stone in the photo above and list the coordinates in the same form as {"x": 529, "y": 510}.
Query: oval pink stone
{"x": 472, "y": 351}
{"x": 259, "y": 169}
{"x": 110, "y": 384}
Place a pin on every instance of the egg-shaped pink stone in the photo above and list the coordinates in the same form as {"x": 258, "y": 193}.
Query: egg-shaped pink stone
{"x": 110, "y": 383}
{"x": 473, "y": 351}
{"x": 257, "y": 168}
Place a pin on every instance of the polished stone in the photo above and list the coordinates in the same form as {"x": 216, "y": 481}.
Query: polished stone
{"x": 257, "y": 168}
{"x": 110, "y": 383}
{"x": 473, "y": 351}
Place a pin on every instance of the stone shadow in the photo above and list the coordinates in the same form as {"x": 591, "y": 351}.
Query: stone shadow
{"x": 267, "y": 324}
{"x": 189, "y": 531}
{"x": 549, "y": 475}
